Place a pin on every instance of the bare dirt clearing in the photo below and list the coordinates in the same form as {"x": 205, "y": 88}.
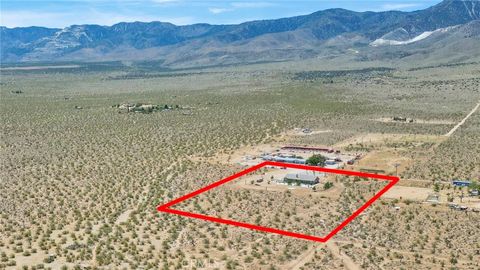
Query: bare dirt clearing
{"x": 375, "y": 138}
{"x": 409, "y": 193}
{"x": 419, "y": 121}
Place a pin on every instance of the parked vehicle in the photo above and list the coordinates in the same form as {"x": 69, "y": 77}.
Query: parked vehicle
{"x": 453, "y": 206}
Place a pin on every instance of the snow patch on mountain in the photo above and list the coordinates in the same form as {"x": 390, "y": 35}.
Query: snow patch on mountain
{"x": 69, "y": 37}
{"x": 471, "y": 11}
{"x": 384, "y": 41}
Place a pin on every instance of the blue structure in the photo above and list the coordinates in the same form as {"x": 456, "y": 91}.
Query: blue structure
{"x": 285, "y": 159}
{"x": 461, "y": 183}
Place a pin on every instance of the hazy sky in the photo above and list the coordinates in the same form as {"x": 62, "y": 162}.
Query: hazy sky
{"x": 61, "y": 13}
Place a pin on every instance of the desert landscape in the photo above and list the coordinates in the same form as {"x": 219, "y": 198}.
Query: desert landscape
{"x": 103, "y": 124}
{"x": 81, "y": 179}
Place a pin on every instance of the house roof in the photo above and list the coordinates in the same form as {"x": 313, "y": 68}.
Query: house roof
{"x": 301, "y": 177}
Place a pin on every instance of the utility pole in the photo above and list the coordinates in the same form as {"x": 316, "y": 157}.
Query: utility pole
{"x": 396, "y": 168}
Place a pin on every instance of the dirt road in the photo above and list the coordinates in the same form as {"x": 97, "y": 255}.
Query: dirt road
{"x": 302, "y": 259}
{"x": 347, "y": 261}
{"x": 463, "y": 121}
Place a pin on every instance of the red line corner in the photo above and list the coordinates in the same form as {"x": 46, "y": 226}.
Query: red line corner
{"x": 167, "y": 206}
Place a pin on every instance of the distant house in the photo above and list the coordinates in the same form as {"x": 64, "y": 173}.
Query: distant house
{"x": 433, "y": 198}
{"x": 461, "y": 183}
{"x": 305, "y": 148}
{"x": 301, "y": 179}
{"x": 285, "y": 159}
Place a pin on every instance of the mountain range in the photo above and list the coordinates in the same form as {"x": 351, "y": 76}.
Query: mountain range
{"x": 450, "y": 29}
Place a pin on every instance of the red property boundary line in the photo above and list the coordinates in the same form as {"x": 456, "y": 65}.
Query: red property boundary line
{"x": 167, "y": 207}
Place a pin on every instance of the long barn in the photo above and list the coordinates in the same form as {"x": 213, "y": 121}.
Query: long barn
{"x": 304, "y": 148}
{"x": 299, "y": 178}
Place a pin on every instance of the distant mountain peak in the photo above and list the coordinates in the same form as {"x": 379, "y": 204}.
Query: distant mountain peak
{"x": 285, "y": 38}
{"x": 469, "y": 8}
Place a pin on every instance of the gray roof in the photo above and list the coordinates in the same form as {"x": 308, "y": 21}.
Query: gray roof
{"x": 301, "y": 177}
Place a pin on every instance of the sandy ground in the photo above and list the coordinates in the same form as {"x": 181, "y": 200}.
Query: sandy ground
{"x": 345, "y": 259}
{"x": 408, "y": 193}
{"x": 382, "y": 160}
{"x": 379, "y": 138}
{"x": 123, "y": 217}
{"x": 299, "y": 132}
{"x": 418, "y": 121}
{"x": 301, "y": 260}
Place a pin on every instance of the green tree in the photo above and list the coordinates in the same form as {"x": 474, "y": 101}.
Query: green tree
{"x": 327, "y": 185}
{"x": 436, "y": 187}
{"x": 316, "y": 160}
